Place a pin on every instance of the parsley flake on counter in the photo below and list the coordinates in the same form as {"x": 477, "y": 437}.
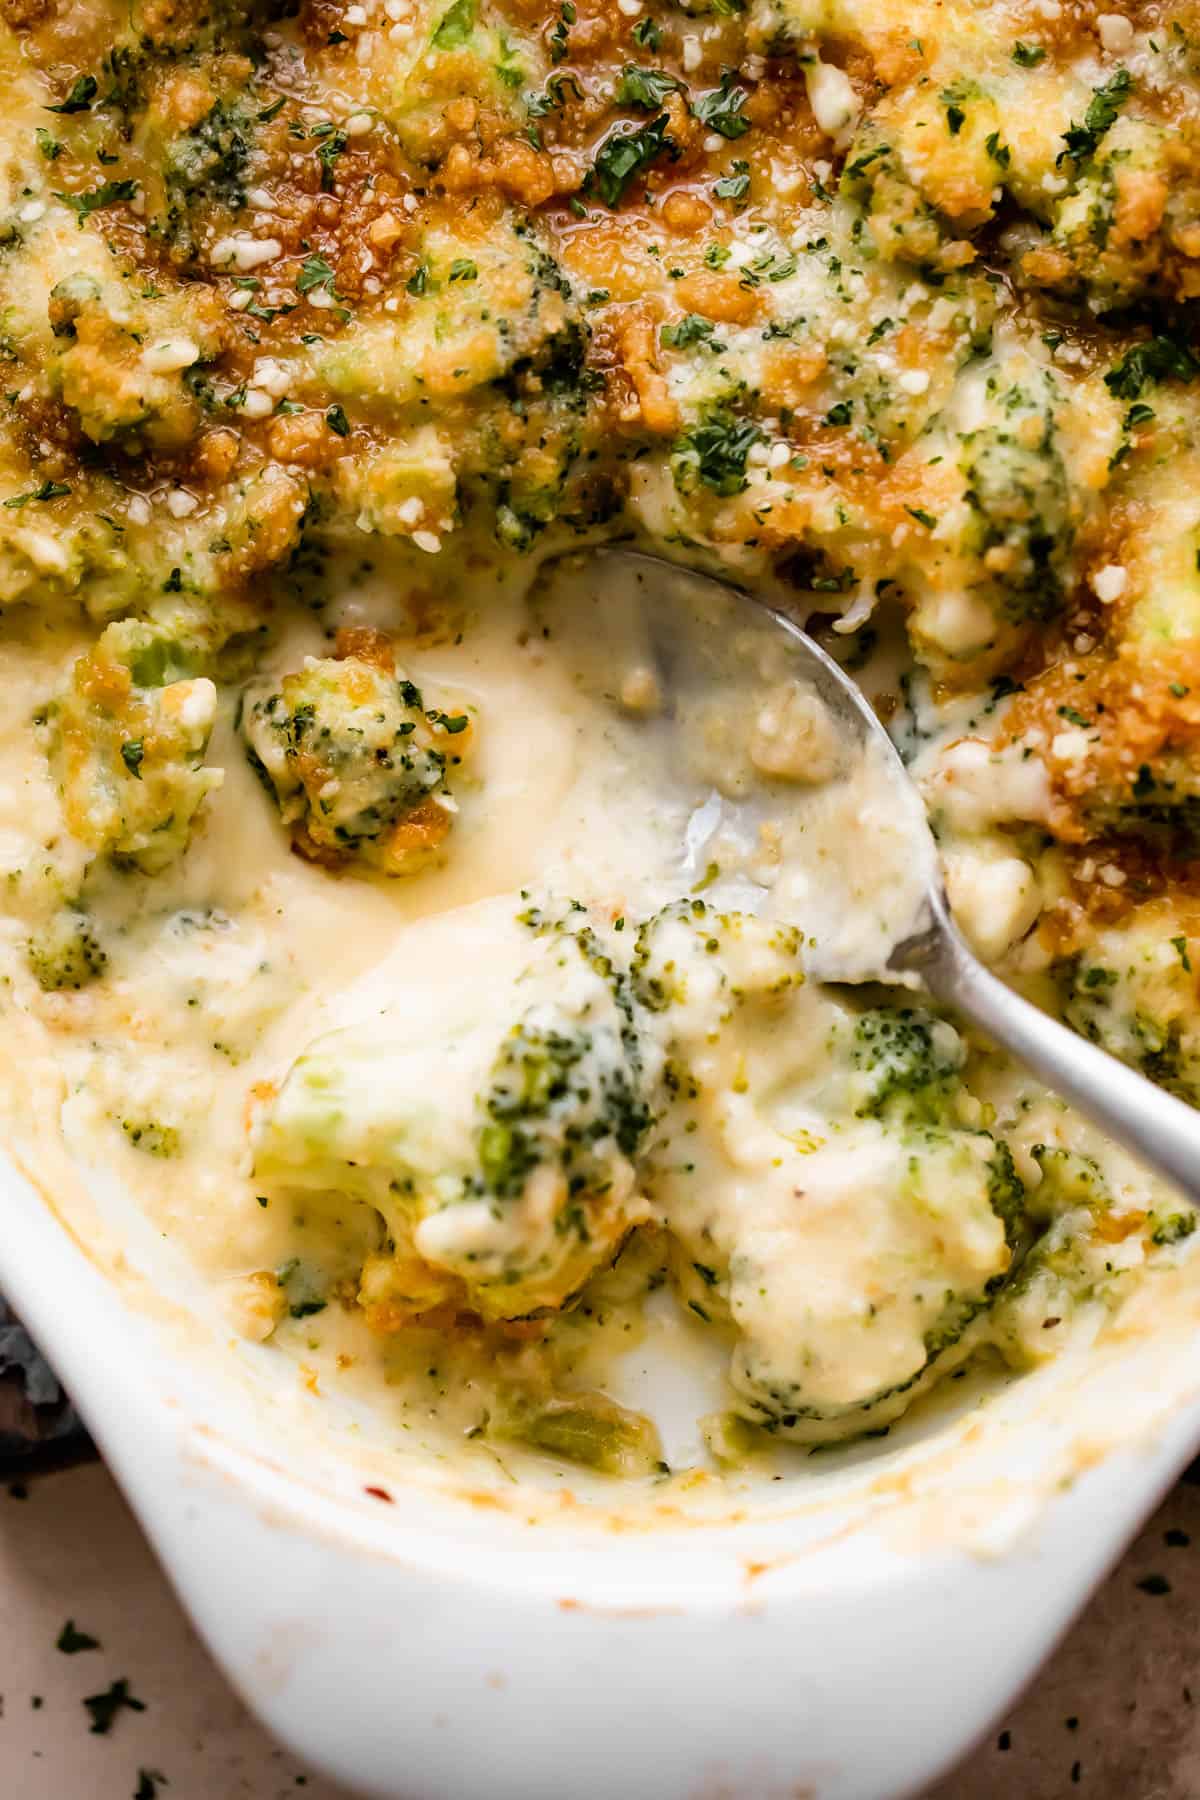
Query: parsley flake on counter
{"x": 104, "y": 1708}
{"x": 72, "y": 1641}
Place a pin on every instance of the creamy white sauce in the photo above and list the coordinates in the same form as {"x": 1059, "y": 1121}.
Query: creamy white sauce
{"x": 623, "y": 762}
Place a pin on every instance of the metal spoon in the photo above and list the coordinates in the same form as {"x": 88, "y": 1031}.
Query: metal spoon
{"x": 699, "y": 637}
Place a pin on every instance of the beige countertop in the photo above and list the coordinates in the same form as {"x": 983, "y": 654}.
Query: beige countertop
{"x": 1116, "y": 1714}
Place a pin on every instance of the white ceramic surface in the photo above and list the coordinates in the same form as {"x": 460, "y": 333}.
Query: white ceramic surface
{"x": 841, "y": 1635}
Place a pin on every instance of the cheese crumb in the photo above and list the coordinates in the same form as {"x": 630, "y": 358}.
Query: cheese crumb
{"x": 914, "y": 381}
{"x": 245, "y": 252}
{"x": 1109, "y": 583}
{"x": 1116, "y": 32}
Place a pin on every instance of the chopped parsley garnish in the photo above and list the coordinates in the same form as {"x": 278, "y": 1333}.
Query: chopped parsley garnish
{"x": 133, "y": 753}
{"x": 623, "y": 154}
{"x": 49, "y": 490}
{"x": 721, "y": 110}
{"x": 1000, "y": 153}
{"x": 735, "y": 185}
{"x": 554, "y": 97}
{"x": 647, "y": 35}
{"x": 927, "y": 519}
{"x": 463, "y": 269}
{"x": 315, "y": 272}
{"x": 79, "y": 99}
{"x": 337, "y": 421}
{"x": 1158, "y": 359}
{"x": 561, "y": 32}
{"x": 693, "y": 328}
{"x": 840, "y": 414}
{"x": 715, "y": 451}
{"x": 647, "y": 88}
{"x": 332, "y": 144}
{"x": 1181, "y": 946}
{"x": 105, "y": 1707}
{"x": 109, "y": 193}
{"x": 1105, "y": 104}
{"x": 1028, "y": 56}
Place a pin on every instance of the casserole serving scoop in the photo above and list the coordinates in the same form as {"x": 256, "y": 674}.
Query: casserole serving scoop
{"x": 711, "y": 659}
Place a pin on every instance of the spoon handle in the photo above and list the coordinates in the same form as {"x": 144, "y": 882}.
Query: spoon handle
{"x": 1161, "y": 1131}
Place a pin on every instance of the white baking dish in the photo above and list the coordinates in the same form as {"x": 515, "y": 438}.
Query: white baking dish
{"x": 842, "y": 1633}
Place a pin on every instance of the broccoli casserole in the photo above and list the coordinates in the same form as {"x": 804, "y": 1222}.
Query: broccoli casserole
{"x": 340, "y": 885}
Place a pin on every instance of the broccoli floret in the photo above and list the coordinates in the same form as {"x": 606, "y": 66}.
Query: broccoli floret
{"x": 501, "y": 1160}
{"x": 588, "y": 1429}
{"x": 1019, "y": 496}
{"x": 128, "y": 750}
{"x": 357, "y": 762}
{"x": 562, "y": 1098}
{"x": 1134, "y": 992}
{"x": 933, "y": 1231}
{"x": 910, "y": 1064}
{"x": 66, "y": 952}
{"x": 207, "y": 166}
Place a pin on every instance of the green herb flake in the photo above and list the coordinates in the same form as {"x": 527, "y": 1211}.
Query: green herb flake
{"x": 133, "y": 752}
{"x": 314, "y": 272}
{"x": 1180, "y": 944}
{"x": 79, "y": 99}
{"x": 332, "y": 145}
{"x": 735, "y": 185}
{"x": 693, "y": 328}
{"x": 73, "y": 1642}
{"x": 645, "y": 88}
{"x": 109, "y": 193}
{"x": 49, "y": 490}
{"x": 1157, "y": 359}
{"x": 105, "y": 1707}
{"x": 721, "y": 110}
{"x": 1106, "y": 103}
{"x": 623, "y": 154}
{"x": 1028, "y": 56}
{"x": 715, "y": 452}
